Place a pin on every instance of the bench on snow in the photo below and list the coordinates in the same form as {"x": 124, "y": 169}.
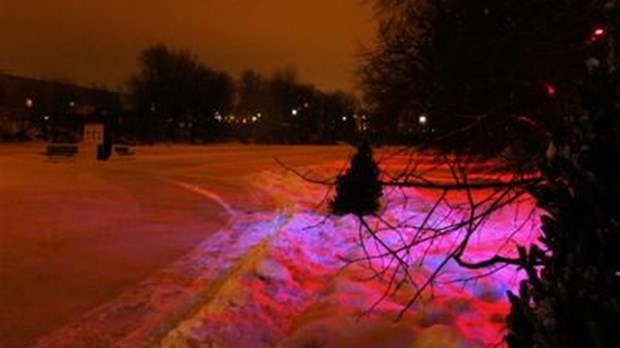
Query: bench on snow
{"x": 123, "y": 150}
{"x": 61, "y": 150}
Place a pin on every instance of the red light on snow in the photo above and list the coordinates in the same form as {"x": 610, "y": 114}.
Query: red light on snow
{"x": 550, "y": 89}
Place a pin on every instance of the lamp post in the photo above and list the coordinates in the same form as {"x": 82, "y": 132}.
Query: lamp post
{"x": 23, "y": 123}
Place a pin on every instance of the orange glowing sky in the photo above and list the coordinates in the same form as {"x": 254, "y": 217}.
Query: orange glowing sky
{"x": 97, "y": 41}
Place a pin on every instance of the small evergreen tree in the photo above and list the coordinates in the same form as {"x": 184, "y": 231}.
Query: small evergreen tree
{"x": 358, "y": 191}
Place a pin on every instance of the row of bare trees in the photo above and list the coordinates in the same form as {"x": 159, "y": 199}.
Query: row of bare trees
{"x": 176, "y": 97}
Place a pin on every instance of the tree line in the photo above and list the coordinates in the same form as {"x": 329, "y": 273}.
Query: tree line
{"x": 177, "y": 98}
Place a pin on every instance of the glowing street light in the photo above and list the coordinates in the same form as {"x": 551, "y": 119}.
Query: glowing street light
{"x": 29, "y": 103}
{"x": 422, "y": 120}
{"x": 294, "y": 112}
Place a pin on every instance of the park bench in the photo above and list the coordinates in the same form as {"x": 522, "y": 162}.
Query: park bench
{"x": 123, "y": 150}
{"x": 61, "y": 150}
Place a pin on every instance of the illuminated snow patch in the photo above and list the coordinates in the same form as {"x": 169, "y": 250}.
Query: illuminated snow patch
{"x": 297, "y": 291}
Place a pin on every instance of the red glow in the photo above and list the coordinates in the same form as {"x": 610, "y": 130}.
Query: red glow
{"x": 598, "y": 34}
{"x": 550, "y": 89}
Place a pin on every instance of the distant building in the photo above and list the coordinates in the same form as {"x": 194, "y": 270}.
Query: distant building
{"x": 32, "y": 107}
{"x": 93, "y": 132}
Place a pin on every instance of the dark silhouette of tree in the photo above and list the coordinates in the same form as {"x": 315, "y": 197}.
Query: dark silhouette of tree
{"x": 213, "y": 96}
{"x": 173, "y": 90}
{"x": 338, "y": 116}
{"x": 358, "y": 190}
{"x": 287, "y": 110}
{"x": 253, "y": 91}
{"x": 287, "y": 107}
{"x": 276, "y": 104}
{"x": 574, "y": 300}
{"x": 475, "y": 68}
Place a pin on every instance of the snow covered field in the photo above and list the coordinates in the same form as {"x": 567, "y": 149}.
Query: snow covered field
{"x": 216, "y": 246}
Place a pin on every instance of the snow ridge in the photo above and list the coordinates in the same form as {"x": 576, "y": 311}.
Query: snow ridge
{"x": 206, "y": 193}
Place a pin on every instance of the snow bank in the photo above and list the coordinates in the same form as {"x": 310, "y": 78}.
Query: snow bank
{"x": 298, "y": 291}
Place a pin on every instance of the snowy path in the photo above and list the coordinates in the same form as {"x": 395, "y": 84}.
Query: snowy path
{"x": 207, "y": 194}
{"x": 77, "y": 234}
{"x": 58, "y": 263}
{"x": 141, "y": 316}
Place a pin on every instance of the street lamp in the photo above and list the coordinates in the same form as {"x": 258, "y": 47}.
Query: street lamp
{"x": 294, "y": 112}
{"x": 422, "y": 120}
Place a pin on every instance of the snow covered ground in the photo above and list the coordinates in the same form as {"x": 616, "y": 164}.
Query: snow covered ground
{"x": 295, "y": 291}
{"x": 271, "y": 275}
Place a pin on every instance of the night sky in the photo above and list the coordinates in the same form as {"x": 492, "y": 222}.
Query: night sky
{"x": 97, "y": 41}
